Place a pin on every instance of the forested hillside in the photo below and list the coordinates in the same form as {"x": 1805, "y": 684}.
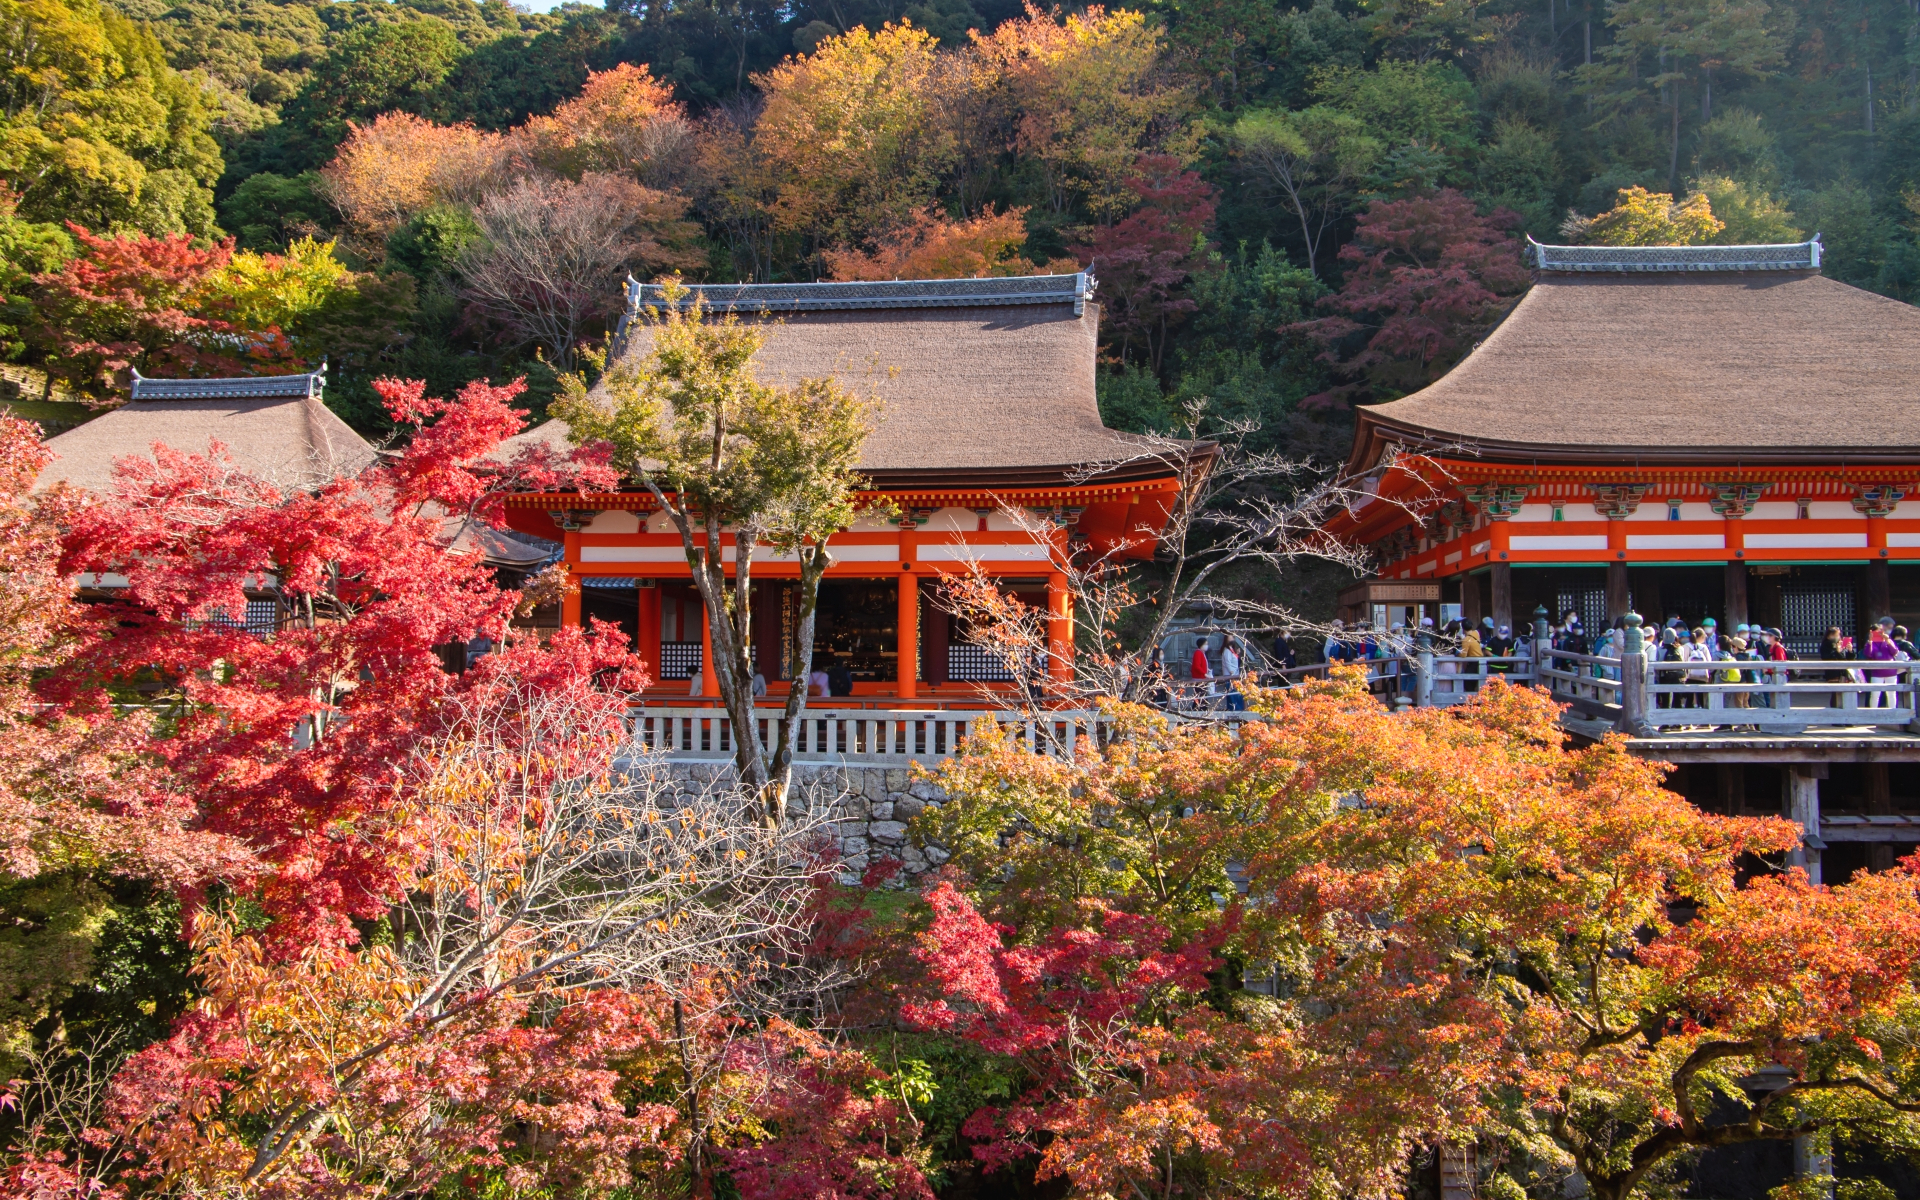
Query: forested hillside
{"x": 1289, "y": 208}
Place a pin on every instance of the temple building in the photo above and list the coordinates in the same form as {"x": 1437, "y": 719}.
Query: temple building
{"x": 987, "y": 402}
{"x": 1706, "y": 431}
{"x": 1709, "y": 431}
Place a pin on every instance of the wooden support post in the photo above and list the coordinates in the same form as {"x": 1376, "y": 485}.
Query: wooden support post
{"x": 1470, "y": 608}
{"x": 907, "y": 637}
{"x": 1803, "y": 808}
{"x": 1617, "y": 601}
{"x": 1646, "y": 595}
{"x": 1502, "y": 577}
{"x": 1059, "y": 627}
{"x": 1732, "y": 781}
{"x": 1879, "y": 803}
{"x": 1736, "y": 597}
{"x": 1876, "y": 597}
{"x": 1633, "y": 680}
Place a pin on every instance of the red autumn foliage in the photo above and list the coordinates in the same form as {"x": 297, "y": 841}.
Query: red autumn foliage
{"x": 284, "y": 742}
{"x": 1425, "y": 277}
{"x": 74, "y": 787}
{"x": 836, "y": 1133}
{"x": 139, "y": 301}
{"x": 1144, "y": 260}
{"x": 451, "y": 458}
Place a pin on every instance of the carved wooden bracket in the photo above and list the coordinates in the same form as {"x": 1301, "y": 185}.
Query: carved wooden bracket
{"x": 1498, "y": 501}
{"x": 573, "y": 519}
{"x": 1877, "y": 499}
{"x": 1735, "y": 499}
{"x": 1617, "y": 501}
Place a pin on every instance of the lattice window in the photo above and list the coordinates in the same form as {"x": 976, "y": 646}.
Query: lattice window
{"x": 1590, "y": 603}
{"x": 974, "y": 664}
{"x": 679, "y": 660}
{"x": 263, "y": 618}
{"x": 1808, "y": 611}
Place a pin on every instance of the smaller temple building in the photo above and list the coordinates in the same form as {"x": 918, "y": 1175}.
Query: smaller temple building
{"x": 986, "y": 389}
{"x": 274, "y": 426}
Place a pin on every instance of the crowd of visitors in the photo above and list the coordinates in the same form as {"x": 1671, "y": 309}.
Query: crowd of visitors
{"x": 1744, "y": 668}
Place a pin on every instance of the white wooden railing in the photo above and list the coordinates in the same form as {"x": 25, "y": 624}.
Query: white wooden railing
{"x": 1789, "y": 695}
{"x": 873, "y": 737}
{"x": 1635, "y": 696}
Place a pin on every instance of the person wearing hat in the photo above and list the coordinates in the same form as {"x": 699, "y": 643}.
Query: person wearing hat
{"x": 1501, "y": 646}
{"x": 1712, "y": 628}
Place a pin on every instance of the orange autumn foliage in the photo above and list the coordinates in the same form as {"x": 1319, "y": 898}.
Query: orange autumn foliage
{"x": 1473, "y": 931}
{"x": 399, "y": 164}
{"x": 624, "y": 120}
{"x": 935, "y": 247}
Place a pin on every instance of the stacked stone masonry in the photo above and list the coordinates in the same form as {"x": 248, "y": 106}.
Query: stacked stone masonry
{"x": 871, "y": 807}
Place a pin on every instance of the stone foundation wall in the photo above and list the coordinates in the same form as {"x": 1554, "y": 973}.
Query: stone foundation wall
{"x": 869, "y": 807}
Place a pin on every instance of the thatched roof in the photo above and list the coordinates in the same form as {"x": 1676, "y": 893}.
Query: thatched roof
{"x": 983, "y": 382}
{"x": 1707, "y": 353}
{"x": 274, "y": 426}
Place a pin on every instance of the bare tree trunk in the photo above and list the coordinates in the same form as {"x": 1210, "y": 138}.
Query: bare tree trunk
{"x": 1673, "y": 154}
{"x": 696, "y": 1169}
{"x": 814, "y": 561}
{"x": 730, "y": 626}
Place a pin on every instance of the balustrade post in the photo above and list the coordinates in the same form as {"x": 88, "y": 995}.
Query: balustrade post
{"x": 1632, "y": 720}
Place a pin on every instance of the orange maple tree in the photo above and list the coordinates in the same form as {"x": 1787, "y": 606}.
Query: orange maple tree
{"x": 1464, "y": 932}
{"x": 933, "y": 246}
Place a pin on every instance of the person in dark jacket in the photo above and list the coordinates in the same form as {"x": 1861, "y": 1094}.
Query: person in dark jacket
{"x": 1500, "y": 646}
{"x": 839, "y": 680}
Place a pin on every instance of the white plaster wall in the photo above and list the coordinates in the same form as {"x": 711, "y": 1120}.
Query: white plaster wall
{"x": 614, "y": 520}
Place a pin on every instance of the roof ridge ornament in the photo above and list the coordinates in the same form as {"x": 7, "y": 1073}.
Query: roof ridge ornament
{"x": 308, "y": 385}
{"x": 991, "y": 291}
{"x": 1618, "y": 260}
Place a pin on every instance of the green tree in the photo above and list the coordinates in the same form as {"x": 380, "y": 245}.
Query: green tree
{"x": 1671, "y": 52}
{"x": 268, "y": 211}
{"x": 95, "y": 127}
{"x": 1312, "y": 161}
{"x": 1400, "y": 103}
{"x": 1522, "y": 170}
{"x": 1751, "y": 216}
{"x": 732, "y": 459}
{"x": 372, "y": 70}
{"x": 249, "y": 56}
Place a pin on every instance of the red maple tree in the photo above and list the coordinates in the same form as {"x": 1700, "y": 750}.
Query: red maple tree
{"x": 285, "y": 741}
{"x": 1424, "y": 278}
{"x": 1144, "y": 260}
{"x": 138, "y": 301}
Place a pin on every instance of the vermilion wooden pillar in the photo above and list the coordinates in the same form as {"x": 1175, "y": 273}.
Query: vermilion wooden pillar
{"x": 570, "y": 595}
{"x": 709, "y": 680}
{"x": 648, "y": 645}
{"x": 1059, "y": 627}
{"x": 907, "y": 637}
